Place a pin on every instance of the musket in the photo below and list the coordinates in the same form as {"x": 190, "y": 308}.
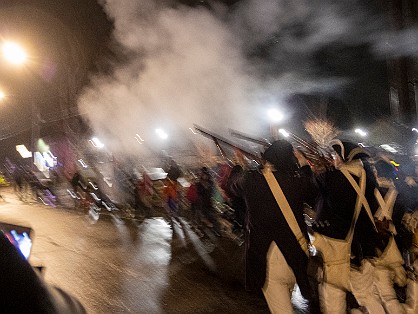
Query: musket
{"x": 313, "y": 153}
{"x": 310, "y": 150}
{"x": 260, "y": 141}
{"x": 221, "y": 150}
{"x": 219, "y": 139}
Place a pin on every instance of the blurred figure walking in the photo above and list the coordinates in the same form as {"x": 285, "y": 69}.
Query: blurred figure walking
{"x": 205, "y": 189}
{"x": 275, "y": 261}
{"x": 170, "y": 193}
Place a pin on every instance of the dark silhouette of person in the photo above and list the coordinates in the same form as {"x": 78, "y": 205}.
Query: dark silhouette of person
{"x": 23, "y": 290}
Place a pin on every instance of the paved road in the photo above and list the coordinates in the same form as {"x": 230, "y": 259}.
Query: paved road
{"x": 134, "y": 266}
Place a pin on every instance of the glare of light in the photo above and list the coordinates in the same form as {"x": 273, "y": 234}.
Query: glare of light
{"x": 14, "y": 53}
{"x": 284, "y": 132}
{"x": 49, "y": 161}
{"x": 2, "y": 95}
{"x": 389, "y": 148}
{"x": 414, "y": 130}
{"x": 96, "y": 142}
{"x": 275, "y": 115}
{"x": 94, "y": 186}
{"x": 108, "y": 181}
{"x": 360, "y": 132}
{"x": 139, "y": 137}
{"x": 23, "y": 151}
{"x": 52, "y": 155}
{"x": 83, "y": 164}
{"x": 161, "y": 133}
{"x": 192, "y": 131}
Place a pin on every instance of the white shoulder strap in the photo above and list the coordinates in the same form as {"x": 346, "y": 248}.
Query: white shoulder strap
{"x": 285, "y": 208}
{"x": 386, "y": 204}
{"x": 356, "y": 168}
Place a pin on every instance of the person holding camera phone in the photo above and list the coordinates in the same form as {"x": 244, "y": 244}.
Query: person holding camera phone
{"x": 23, "y": 290}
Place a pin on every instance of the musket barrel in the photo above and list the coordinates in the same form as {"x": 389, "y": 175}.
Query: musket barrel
{"x": 218, "y": 139}
{"x": 312, "y": 152}
{"x": 246, "y": 137}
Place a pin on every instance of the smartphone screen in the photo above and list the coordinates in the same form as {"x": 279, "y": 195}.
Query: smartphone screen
{"x": 19, "y": 236}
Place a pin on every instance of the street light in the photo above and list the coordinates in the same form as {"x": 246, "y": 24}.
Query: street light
{"x": 14, "y": 53}
{"x": 284, "y": 133}
{"x": 96, "y": 142}
{"x": 163, "y": 135}
{"x": 275, "y": 116}
{"x": 360, "y": 132}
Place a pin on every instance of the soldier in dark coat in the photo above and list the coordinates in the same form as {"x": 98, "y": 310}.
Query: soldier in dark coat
{"x": 336, "y": 205}
{"x": 335, "y": 210}
{"x": 275, "y": 261}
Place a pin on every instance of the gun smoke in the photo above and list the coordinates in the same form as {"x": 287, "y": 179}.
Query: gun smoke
{"x": 217, "y": 66}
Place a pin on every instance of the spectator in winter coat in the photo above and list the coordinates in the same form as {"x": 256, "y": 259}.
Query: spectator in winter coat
{"x": 205, "y": 190}
{"x": 170, "y": 192}
{"x": 193, "y": 199}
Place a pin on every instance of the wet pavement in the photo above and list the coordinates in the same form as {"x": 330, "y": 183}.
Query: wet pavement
{"x": 134, "y": 265}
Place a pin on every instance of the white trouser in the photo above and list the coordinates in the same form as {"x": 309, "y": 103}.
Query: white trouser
{"x": 333, "y": 299}
{"x": 280, "y": 282}
{"x": 363, "y": 287}
{"x": 411, "y": 303}
{"x": 384, "y": 285}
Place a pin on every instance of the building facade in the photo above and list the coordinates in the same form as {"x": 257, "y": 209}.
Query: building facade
{"x": 403, "y": 69}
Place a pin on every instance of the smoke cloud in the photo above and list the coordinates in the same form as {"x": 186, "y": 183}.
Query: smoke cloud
{"x": 403, "y": 43}
{"x": 215, "y": 66}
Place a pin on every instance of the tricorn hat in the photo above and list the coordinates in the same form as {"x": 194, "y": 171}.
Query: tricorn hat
{"x": 280, "y": 154}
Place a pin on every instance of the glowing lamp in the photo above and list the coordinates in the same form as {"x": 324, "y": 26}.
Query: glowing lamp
{"x": 14, "y": 53}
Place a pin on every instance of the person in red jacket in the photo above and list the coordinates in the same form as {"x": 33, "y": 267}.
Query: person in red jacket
{"x": 170, "y": 192}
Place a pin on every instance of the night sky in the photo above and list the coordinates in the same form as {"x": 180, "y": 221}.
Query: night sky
{"x": 83, "y": 54}
{"x": 58, "y": 35}
{"x": 65, "y": 40}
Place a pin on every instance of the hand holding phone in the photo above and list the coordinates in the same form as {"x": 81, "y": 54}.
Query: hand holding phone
{"x": 19, "y": 236}
{"x": 23, "y": 243}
